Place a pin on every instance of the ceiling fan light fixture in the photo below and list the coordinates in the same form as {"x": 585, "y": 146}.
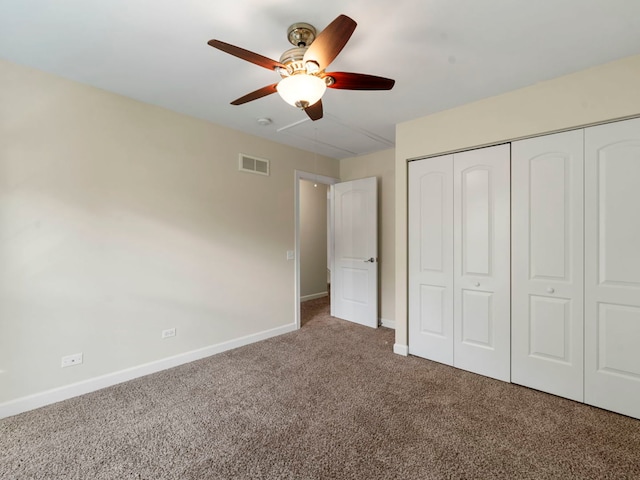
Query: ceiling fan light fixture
{"x": 301, "y": 90}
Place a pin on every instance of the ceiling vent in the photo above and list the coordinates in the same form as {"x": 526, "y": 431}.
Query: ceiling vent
{"x": 253, "y": 165}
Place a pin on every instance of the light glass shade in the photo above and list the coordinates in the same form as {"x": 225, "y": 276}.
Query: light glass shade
{"x": 301, "y": 90}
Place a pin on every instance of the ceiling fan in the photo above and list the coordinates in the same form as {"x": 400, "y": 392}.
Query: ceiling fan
{"x": 302, "y": 68}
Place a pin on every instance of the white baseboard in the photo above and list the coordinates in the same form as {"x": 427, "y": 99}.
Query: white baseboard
{"x": 388, "y": 323}
{"x": 401, "y": 349}
{"x": 313, "y": 296}
{"x": 48, "y": 397}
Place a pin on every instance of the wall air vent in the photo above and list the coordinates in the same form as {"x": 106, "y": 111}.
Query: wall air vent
{"x": 253, "y": 165}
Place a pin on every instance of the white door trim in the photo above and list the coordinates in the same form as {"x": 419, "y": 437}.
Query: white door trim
{"x": 300, "y": 175}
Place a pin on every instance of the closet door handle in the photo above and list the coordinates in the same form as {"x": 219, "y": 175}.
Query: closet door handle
{"x": 550, "y": 290}
{"x": 477, "y": 284}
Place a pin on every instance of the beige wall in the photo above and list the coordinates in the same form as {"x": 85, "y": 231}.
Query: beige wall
{"x": 595, "y": 95}
{"x": 313, "y": 238}
{"x": 119, "y": 219}
{"x": 380, "y": 165}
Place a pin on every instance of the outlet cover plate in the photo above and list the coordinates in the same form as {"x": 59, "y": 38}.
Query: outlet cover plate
{"x": 169, "y": 332}
{"x": 71, "y": 360}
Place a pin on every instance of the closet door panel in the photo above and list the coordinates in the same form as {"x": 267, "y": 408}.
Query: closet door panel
{"x": 612, "y": 267}
{"x": 547, "y": 264}
{"x": 431, "y": 258}
{"x": 482, "y": 262}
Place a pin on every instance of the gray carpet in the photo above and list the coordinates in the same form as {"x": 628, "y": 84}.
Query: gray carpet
{"x": 328, "y": 401}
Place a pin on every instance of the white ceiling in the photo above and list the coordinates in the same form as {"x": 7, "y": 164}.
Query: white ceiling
{"x": 442, "y": 53}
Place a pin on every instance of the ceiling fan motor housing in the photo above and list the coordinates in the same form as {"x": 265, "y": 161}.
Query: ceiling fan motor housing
{"x": 293, "y": 59}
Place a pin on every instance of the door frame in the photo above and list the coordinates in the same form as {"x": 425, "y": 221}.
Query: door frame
{"x": 301, "y": 175}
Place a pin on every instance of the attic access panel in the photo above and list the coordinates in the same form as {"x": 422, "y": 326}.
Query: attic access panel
{"x": 333, "y": 138}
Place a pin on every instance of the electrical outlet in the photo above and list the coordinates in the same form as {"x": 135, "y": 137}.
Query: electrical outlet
{"x": 71, "y": 360}
{"x": 169, "y": 332}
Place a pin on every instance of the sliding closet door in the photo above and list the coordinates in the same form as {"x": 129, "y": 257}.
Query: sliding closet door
{"x": 482, "y": 261}
{"x": 431, "y": 259}
{"x": 612, "y": 267}
{"x": 547, "y": 264}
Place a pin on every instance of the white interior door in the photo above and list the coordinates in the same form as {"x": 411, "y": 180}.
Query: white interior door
{"x": 482, "y": 338}
{"x": 612, "y": 267}
{"x": 354, "y": 287}
{"x": 431, "y": 259}
{"x": 547, "y": 264}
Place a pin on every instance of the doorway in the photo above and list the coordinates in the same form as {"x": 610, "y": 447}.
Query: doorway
{"x": 313, "y": 247}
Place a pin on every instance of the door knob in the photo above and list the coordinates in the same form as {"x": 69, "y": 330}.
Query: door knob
{"x": 370, "y": 260}
{"x": 551, "y": 290}
{"x": 477, "y": 284}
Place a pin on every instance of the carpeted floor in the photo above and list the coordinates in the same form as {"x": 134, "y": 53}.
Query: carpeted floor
{"x": 330, "y": 401}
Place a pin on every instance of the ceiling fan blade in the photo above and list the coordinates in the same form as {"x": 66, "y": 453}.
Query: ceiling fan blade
{"x": 314, "y": 111}
{"x": 261, "y": 92}
{"x": 359, "y": 81}
{"x": 246, "y": 55}
{"x": 330, "y": 41}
